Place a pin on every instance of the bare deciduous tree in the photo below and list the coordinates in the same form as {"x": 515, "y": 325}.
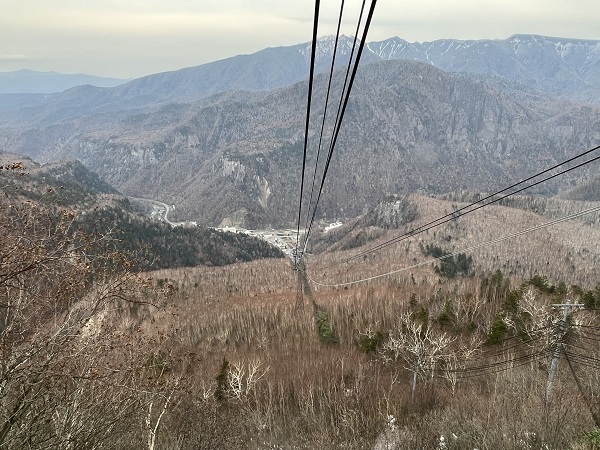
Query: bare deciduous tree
{"x": 65, "y": 379}
{"x": 417, "y": 345}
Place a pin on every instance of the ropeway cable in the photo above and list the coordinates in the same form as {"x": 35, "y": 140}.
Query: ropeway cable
{"x": 451, "y": 216}
{"x": 337, "y": 129}
{"x": 310, "y": 85}
{"x": 474, "y": 247}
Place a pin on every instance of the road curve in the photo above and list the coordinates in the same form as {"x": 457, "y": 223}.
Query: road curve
{"x": 162, "y": 205}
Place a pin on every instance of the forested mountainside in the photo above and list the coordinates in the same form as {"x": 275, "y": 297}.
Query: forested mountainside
{"x": 98, "y": 209}
{"x": 224, "y": 357}
{"x": 409, "y": 127}
{"x": 586, "y": 191}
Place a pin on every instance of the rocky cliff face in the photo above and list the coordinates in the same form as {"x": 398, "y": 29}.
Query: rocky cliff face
{"x": 409, "y": 127}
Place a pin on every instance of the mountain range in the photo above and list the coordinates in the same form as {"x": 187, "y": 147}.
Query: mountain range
{"x": 560, "y": 66}
{"x": 223, "y": 141}
{"x": 34, "y": 82}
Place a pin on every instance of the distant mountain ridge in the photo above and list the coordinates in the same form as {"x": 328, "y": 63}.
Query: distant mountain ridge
{"x": 560, "y": 66}
{"x": 568, "y": 68}
{"x": 98, "y": 208}
{"x": 27, "y": 81}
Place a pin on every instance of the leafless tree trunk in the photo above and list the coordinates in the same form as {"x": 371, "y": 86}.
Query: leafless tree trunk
{"x": 64, "y": 380}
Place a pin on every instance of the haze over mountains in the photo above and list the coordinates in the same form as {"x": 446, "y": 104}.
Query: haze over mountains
{"x": 223, "y": 140}
{"x": 564, "y": 66}
{"x": 33, "y": 82}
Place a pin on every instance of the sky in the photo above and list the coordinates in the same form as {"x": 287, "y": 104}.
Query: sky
{"x": 133, "y": 38}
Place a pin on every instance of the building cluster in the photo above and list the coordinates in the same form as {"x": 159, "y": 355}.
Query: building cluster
{"x": 285, "y": 240}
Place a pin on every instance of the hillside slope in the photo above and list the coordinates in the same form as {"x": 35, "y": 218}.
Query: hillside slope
{"x": 98, "y": 209}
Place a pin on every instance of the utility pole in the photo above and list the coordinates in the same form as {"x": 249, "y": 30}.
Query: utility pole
{"x": 558, "y": 346}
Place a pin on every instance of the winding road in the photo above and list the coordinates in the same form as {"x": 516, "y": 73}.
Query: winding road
{"x": 160, "y": 205}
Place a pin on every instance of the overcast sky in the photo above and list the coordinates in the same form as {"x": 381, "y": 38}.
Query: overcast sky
{"x": 132, "y": 38}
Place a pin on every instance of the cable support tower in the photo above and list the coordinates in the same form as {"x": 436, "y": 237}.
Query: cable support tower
{"x": 558, "y": 345}
{"x": 474, "y": 247}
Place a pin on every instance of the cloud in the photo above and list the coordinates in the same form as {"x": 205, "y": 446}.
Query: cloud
{"x": 137, "y": 37}
{"x": 479, "y": 19}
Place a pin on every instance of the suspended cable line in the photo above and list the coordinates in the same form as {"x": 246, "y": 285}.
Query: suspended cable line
{"x": 340, "y": 103}
{"x": 488, "y": 369}
{"x": 335, "y": 46}
{"x": 346, "y": 78}
{"x": 582, "y": 359}
{"x": 338, "y": 125}
{"x": 474, "y": 247}
{"x": 456, "y": 213}
{"x": 483, "y": 356}
{"x": 310, "y": 86}
{"x": 495, "y": 352}
{"x": 511, "y": 365}
{"x": 582, "y": 392}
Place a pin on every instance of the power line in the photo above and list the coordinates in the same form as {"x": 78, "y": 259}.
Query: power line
{"x": 583, "y": 357}
{"x": 592, "y": 328}
{"x": 498, "y": 351}
{"x": 493, "y": 366}
{"x": 335, "y": 45}
{"x": 473, "y": 370}
{"x": 346, "y": 78}
{"x": 474, "y": 247}
{"x": 589, "y": 336}
{"x": 512, "y": 365}
{"x": 583, "y": 362}
{"x": 310, "y": 86}
{"x": 453, "y": 215}
{"x": 468, "y": 372}
{"x": 342, "y": 92}
{"x": 581, "y": 391}
{"x": 339, "y": 124}
{"x": 341, "y": 101}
